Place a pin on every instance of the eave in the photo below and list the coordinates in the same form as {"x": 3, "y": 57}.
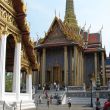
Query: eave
{"x": 23, "y": 26}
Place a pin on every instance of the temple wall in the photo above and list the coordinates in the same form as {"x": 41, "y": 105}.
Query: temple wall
{"x": 89, "y": 67}
{"x": 54, "y": 57}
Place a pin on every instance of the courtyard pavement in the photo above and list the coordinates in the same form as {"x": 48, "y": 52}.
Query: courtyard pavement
{"x": 61, "y": 107}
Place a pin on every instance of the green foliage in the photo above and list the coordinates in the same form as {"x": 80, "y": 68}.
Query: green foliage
{"x": 8, "y": 82}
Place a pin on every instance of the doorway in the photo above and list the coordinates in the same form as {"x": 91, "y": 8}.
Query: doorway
{"x": 57, "y": 74}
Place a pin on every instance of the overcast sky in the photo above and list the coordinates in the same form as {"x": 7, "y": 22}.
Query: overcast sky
{"x": 40, "y": 14}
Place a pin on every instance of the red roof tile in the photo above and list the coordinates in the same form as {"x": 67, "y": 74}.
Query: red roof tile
{"x": 94, "y": 38}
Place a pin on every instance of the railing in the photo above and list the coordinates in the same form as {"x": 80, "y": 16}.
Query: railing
{"x": 102, "y": 94}
{"x": 63, "y": 98}
{"x": 6, "y": 106}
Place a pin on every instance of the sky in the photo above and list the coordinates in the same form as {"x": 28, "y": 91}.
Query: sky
{"x": 40, "y": 14}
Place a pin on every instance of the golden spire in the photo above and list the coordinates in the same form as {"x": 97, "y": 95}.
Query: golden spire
{"x": 71, "y": 22}
{"x": 70, "y": 18}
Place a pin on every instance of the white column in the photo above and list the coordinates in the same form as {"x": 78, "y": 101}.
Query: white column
{"x": 29, "y": 85}
{"x": 14, "y": 72}
{"x": 2, "y": 64}
{"x": 17, "y": 69}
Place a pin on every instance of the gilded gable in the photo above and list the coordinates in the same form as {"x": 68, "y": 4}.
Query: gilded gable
{"x": 8, "y": 15}
{"x": 8, "y": 3}
{"x": 13, "y": 22}
{"x": 56, "y": 35}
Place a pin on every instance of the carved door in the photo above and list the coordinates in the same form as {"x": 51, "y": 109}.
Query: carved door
{"x": 48, "y": 77}
{"x": 57, "y": 74}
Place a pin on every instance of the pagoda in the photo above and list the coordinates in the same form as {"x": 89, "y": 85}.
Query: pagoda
{"x": 61, "y": 52}
{"x": 69, "y": 55}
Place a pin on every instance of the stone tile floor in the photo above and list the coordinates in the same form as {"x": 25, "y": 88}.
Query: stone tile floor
{"x": 61, "y": 107}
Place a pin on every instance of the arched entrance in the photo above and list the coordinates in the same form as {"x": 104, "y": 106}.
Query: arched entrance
{"x": 9, "y": 66}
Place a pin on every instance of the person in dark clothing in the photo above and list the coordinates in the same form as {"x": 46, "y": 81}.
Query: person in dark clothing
{"x": 107, "y": 103}
{"x": 69, "y": 103}
{"x": 98, "y": 105}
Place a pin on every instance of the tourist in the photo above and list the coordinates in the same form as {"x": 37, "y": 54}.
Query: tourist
{"x": 40, "y": 99}
{"x": 39, "y": 86}
{"x": 107, "y": 105}
{"x": 69, "y": 103}
{"x": 98, "y": 105}
{"x": 48, "y": 101}
{"x": 33, "y": 90}
{"x": 51, "y": 97}
{"x": 56, "y": 87}
{"x": 43, "y": 89}
{"x": 65, "y": 88}
{"x": 46, "y": 94}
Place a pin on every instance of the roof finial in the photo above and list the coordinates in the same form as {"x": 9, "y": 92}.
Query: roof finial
{"x": 59, "y": 14}
{"x": 100, "y": 32}
{"x": 55, "y": 12}
{"x": 45, "y": 33}
{"x": 101, "y": 29}
{"x": 89, "y": 28}
{"x": 83, "y": 28}
{"x": 88, "y": 31}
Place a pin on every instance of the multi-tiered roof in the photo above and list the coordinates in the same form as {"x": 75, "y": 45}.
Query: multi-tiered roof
{"x": 69, "y": 27}
{"x": 72, "y": 33}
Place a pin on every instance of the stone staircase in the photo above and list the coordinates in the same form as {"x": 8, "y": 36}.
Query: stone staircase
{"x": 6, "y": 106}
{"x": 85, "y": 101}
{"x": 78, "y": 97}
{"x": 25, "y": 104}
{"x": 35, "y": 102}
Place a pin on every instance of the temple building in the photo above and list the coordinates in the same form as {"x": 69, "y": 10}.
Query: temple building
{"x": 16, "y": 62}
{"x": 108, "y": 68}
{"x": 69, "y": 55}
{"x": 94, "y": 58}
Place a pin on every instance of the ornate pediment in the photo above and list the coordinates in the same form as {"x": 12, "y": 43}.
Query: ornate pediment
{"x": 8, "y": 2}
{"x": 8, "y": 14}
{"x": 24, "y": 57}
{"x": 56, "y": 35}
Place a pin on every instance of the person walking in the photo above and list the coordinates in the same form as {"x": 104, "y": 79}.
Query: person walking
{"x": 51, "y": 97}
{"x": 98, "y": 105}
{"x": 48, "y": 102}
{"x": 107, "y": 104}
{"x": 69, "y": 103}
{"x": 40, "y": 99}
